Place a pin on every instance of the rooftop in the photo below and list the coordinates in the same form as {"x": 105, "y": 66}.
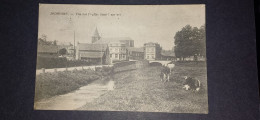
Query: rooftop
{"x": 112, "y": 39}
{"x": 92, "y": 54}
{"x": 151, "y": 43}
{"x": 135, "y": 49}
{"x": 92, "y": 47}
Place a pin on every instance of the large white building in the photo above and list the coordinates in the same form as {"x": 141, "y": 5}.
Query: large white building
{"x": 118, "y": 51}
{"x": 152, "y": 51}
{"x": 117, "y": 46}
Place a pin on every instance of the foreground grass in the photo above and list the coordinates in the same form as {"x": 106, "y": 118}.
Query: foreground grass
{"x": 142, "y": 90}
{"x": 51, "y": 84}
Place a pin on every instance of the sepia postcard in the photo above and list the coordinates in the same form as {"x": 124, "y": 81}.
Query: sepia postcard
{"x": 140, "y": 58}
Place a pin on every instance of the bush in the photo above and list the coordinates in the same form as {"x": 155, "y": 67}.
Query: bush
{"x": 155, "y": 64}
{"x": 51, "y": 84}
{"x": 56, "y": 62}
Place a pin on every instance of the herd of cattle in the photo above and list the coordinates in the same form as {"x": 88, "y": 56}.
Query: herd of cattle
{"x": 190, "y": 83}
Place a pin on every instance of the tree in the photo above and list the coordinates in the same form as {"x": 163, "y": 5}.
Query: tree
{"x": 44, "y": 37}
{"x": 55, "y": 42}
{"x": 43, "y": 41}
{"x": 190, "y": 41}
{"x": 62, "y": 51}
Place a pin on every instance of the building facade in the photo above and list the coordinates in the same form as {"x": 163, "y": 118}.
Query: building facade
{"x": 118, "y": 51}
{"x": 128, "y": 42}
{"x": 93, "y": 53}
{"x": 47, "y": 51}
{"x": 152, "y": 51}
{"x": 168, "y": 55}
{"x": 135, "y": 53}
{"x": 117, "y": 46}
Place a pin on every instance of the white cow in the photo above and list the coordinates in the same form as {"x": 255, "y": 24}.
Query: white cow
{"x": 171, "y": 66}
{"x": 166, "y": 72}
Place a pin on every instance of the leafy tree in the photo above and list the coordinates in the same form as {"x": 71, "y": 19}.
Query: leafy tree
{"x": 44, "y": 37}
{"x": 55, "y": 42}
{"x": 190, "y": 41}
{"x": 62, "y": 51}
{"x": 43, "y": 41}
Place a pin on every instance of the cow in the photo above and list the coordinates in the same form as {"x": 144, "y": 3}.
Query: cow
{"x": 192, "y": 84}
{"x": 165, "y": 74}
{"x": 170, "y": 66}
{"x": 166, "y": 71}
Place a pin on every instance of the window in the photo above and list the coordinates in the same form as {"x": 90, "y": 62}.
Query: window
{"x": 110, "y": 55}
{"x": 116, "y": 55}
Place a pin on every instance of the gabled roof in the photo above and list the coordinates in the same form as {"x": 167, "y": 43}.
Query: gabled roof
{"x": 135, "y": 49}
{"x": 92, "y": 47}
{"x": 92, "y": 54}
{"x": 47, "y": 49}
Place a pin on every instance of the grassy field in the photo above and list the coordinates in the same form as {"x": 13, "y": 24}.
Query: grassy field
{"x": 52, "y": 84}
{"x": 142, "y": 90}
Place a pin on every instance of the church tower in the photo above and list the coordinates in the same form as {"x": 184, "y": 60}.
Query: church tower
{"x": 96, "y": 36}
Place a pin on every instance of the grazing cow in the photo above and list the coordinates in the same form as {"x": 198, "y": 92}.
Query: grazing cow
{"x": 170, "y": 66}
{"x": 165, "y": 74}
{"x": 192, "y": 84}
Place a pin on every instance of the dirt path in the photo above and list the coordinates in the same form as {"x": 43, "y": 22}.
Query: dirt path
{"x": 75, "y": 99}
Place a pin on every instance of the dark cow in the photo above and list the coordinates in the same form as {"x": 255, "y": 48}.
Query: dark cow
{"x": 192, "y": 84}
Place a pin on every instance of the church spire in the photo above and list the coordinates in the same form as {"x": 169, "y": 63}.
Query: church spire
{"x": 95, "y": 36}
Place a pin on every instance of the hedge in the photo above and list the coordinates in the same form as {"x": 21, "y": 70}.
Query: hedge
{"x": 56, "y": 62}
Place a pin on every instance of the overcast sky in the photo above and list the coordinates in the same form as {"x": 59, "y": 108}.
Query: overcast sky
{"x": 142, "y": 23}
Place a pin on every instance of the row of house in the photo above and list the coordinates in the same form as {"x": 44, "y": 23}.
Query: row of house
{"x": 107, "y": 50}
{"x": 117, "y": 49}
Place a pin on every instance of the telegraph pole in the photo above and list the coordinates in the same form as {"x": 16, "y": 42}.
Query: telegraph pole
{"x": 74, "y": 50}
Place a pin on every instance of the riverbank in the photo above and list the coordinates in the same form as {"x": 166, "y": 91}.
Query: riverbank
{"x": 58, "y": 83}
